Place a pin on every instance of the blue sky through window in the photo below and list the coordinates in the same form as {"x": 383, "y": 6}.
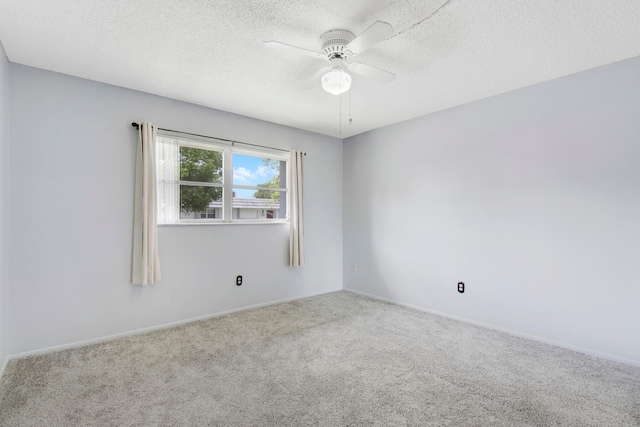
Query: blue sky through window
{"x": 250, "y": 170}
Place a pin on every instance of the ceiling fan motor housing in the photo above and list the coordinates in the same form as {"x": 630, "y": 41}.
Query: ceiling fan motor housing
{"x": 334, "y": 44}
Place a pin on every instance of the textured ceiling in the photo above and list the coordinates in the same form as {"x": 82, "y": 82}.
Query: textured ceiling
{"x": 212, "y": 52}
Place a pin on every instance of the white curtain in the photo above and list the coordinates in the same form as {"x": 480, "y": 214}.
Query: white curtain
{"x": 146, "y": 263}
{"x": 168, "y": 180}
{"x": 296, "y": 234}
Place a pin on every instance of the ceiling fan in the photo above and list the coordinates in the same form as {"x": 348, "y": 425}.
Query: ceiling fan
{"x": 338, "y": 47}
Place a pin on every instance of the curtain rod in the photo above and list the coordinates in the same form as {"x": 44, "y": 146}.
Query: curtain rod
{"x": 137, "y": 125}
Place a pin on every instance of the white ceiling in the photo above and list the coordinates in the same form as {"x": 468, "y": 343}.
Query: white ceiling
{"x": 212, "y": 53}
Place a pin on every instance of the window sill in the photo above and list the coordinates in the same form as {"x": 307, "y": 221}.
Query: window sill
{"x": 224, "y": 223}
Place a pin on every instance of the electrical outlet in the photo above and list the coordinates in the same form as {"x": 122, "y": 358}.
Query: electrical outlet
{"x": 238, "y": 280}
{"x": 461, "y": 287}
{"x": 354, "y": 267}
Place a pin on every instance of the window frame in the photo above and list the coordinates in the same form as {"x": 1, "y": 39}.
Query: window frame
{"x": 227, "y": 150}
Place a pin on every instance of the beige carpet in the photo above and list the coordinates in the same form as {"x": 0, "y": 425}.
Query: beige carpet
{"x": 332, "y": 360}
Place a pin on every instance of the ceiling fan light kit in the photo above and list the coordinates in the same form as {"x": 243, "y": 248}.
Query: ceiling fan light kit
{"x": 336, "y": 81}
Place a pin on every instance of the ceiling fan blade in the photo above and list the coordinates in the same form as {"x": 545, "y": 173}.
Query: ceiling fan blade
{"x": 371, "y": 72}
{"x": 300, "y": 50}
{"x": 313, "y": 81}
{"x": 377, "y": 32}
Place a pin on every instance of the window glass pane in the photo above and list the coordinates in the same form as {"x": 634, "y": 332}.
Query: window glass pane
{"x": 261, "y": 204}
{"x": 259, "y": 172}
{"x": 199, "y": 202}
{"x": 200, "y": 165}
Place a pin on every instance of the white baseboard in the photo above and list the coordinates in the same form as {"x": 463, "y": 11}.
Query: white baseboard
{"x": 153, "y": 328}
{"x": 587, "y": 351}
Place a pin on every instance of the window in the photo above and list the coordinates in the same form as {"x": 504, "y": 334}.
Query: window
{"x": 205, "y": 182}
{"x": 210, "y": 213}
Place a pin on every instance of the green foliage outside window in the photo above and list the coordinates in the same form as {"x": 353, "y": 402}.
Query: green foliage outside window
{"x": 272, "y": 183}
{"x": 199, "y": 165}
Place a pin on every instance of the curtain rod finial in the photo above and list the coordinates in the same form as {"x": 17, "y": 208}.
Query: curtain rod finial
{"x": 135, "y": 125}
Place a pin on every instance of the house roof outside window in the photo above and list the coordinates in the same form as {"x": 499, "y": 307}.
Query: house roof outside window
{"x": 248, "y": 203}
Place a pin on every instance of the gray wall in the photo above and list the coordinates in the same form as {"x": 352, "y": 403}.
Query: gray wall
{"x": 532, "y": 198}
{"x": 4, "y": 120}
{"x": 72, "y": 155}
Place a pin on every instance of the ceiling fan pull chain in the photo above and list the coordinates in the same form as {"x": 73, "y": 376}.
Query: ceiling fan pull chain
{"x": 350, "y": 119}
{"x": 340, "y": 114}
